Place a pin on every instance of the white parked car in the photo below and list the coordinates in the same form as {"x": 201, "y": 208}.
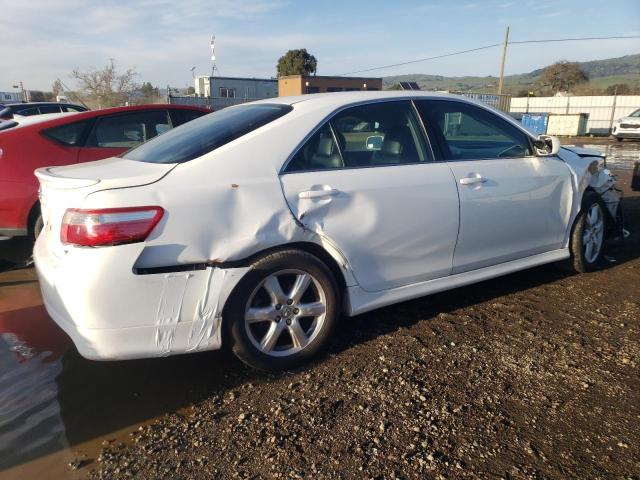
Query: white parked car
{"x": 627, "y": 127}
{"x": 259, "y": 225}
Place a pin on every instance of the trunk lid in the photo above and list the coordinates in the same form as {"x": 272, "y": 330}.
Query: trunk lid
{"x": 67, "y": 187}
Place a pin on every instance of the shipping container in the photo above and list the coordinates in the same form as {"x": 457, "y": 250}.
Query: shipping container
{"x": 535, "y": 122}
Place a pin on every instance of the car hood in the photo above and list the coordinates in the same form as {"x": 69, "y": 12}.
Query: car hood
{"x": 584, "y": 152}
{"x": 634, "y": 120}
{"x": 112, "y": 172}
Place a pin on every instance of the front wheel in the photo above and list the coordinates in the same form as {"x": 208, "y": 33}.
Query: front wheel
{"x": 587, "y": 238}
{"x": 283, "y": 312}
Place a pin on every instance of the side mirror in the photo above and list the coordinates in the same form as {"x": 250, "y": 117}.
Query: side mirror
{"x": 547, "y": 145}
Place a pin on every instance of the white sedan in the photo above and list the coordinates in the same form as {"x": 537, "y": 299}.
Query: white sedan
{"x": 258, "y": 226}
{"x": 627, "y": 127}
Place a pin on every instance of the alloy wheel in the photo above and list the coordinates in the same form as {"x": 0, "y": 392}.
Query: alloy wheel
{"x": 593, "y": 233}
{"x": 285, "y": 312}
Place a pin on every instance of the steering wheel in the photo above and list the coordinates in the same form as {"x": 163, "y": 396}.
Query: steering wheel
{"x": 503, "y": 153}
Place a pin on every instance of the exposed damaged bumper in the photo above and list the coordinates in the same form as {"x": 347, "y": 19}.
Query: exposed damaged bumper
{"x": 114, "y": 313}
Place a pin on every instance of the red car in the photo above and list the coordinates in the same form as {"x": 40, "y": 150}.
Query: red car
{"x": 67, "y": 139}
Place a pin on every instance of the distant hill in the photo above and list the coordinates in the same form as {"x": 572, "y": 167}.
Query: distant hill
{"x": 602, "y": 73}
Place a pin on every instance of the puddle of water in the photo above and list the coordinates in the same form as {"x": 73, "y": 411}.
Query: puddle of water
{"x": 56, "y": 406}
{"x": 620, "y": 156}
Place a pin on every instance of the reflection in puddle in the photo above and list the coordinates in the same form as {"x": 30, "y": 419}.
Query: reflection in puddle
{"x": 31, "y": 346}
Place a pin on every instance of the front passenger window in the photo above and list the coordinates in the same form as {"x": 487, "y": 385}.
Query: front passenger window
{"x": 468, "y": 132}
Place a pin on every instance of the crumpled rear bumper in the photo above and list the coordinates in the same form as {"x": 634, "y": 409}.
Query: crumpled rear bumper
{"x": 111, "y": 313}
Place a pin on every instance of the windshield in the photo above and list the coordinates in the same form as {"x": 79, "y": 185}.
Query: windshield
{"x": 207, "y": 133}
{"x": 636, "y": 113}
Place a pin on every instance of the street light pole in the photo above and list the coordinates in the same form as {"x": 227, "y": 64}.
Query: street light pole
{"x": 22, "y": 91}
{"x": 504, "y": 59}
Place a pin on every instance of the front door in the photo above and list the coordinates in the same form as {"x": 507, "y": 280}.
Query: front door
{"x": 367, "y": 183}
{"x": 513, "y": 204}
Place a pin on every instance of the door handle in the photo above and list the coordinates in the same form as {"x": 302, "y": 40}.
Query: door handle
{"x": 476, "y": 179}
{"x": 332, "y": 192}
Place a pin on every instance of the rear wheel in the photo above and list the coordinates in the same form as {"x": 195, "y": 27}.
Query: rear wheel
{"x": 283, "y": 312}
{"x": 618, "y": 138}
{"x": 587, "y": 238}
{"x": 37, "y": 226}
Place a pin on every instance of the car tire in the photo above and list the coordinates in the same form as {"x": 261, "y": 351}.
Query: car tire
{"x": 38, "y": 225}
{"x": 618, "y": 138}
{"x": 588, "y": 234}
{"x": 264, "y": 316}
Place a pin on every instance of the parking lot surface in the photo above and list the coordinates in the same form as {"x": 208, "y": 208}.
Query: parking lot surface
{"x": 531, "y": 375}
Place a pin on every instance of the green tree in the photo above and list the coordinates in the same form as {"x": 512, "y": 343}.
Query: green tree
{"x": 297, "y": 62}
{"x": 563, "y": 76}
{"x": 191, "y": 90}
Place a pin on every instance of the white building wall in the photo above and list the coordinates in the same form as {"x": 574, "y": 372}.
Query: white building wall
{"x": 600, "y": 109}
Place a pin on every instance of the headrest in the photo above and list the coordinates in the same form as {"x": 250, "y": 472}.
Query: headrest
{"x": 392, "y": 147}
{"x": 325, "y": 147}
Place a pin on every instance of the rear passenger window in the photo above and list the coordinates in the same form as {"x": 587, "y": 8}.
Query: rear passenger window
{"x": 184, "y": 116}
{"x": 378, "y": 134}
{"x": 129, "y": 129}
{"x": 70, "y": 134}
{"x": 27, "y": 111}
{"x": 49, "y": 108}
{"x": 386, "y": 133}
{"x": 320, "y": 152}
{"x": 467, "y": 132}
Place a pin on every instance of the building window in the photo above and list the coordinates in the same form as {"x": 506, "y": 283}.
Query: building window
{"x": 334, "y": 89}
{"x": 227, "y": 92}
{"x": 312, "y": 90}
{"x": 352, "y": 89}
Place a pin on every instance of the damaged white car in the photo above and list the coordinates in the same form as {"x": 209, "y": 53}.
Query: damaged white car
{"x": 258, "y": 226}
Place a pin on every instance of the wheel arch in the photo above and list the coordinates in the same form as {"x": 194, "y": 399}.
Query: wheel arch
{"x": 340, "y": 270}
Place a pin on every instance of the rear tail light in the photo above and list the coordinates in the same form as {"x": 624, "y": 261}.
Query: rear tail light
{"x": 109, "y": 226}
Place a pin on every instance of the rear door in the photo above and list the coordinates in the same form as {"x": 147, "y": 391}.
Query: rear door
{"x": 366, "y": 182}
{"x": 115, "y": 134}
{"x": 513, "y": 204}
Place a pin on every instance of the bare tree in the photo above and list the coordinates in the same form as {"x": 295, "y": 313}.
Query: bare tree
{"x": 106, "y": 87}
{"x": 563, "y": 76}
{"x": 57, "y": 88}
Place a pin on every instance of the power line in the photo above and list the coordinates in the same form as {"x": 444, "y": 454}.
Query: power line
{"x": 424, "y": 59}
{"x": 460, "y": 52}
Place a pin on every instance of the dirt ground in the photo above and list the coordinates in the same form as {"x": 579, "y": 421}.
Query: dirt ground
{"x": 534, "y": 375}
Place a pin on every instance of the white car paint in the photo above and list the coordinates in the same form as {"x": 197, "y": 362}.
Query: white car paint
{"x": 627, "y": 127}
{"x": 391, "y": 230}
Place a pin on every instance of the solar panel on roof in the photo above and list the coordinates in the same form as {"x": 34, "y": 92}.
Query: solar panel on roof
{"x": 409, "y": 86}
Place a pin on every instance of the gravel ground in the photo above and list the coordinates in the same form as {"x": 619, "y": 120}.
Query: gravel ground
{"x": 534, "y": 375}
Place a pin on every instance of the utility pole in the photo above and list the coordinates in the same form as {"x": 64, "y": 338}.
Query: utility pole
{"x": 504, "y": 59}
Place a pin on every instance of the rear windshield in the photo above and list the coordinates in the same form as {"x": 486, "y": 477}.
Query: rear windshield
{"x": 205, "y": 134}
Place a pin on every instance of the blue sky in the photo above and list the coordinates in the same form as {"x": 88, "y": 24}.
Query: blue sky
{"x": 41, "y": 40}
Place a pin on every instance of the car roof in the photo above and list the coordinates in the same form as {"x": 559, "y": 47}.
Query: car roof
{"x": 335, "y": 100}
{"x": 338, "y": 99}
{"x": 38, "y": 104}
{"x": 56, "y": 119}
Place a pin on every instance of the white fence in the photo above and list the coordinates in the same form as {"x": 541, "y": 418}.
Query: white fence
{"x": 602, "y": 110}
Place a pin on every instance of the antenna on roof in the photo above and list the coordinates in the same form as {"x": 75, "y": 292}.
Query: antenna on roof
{"x": 213, "y": 55}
